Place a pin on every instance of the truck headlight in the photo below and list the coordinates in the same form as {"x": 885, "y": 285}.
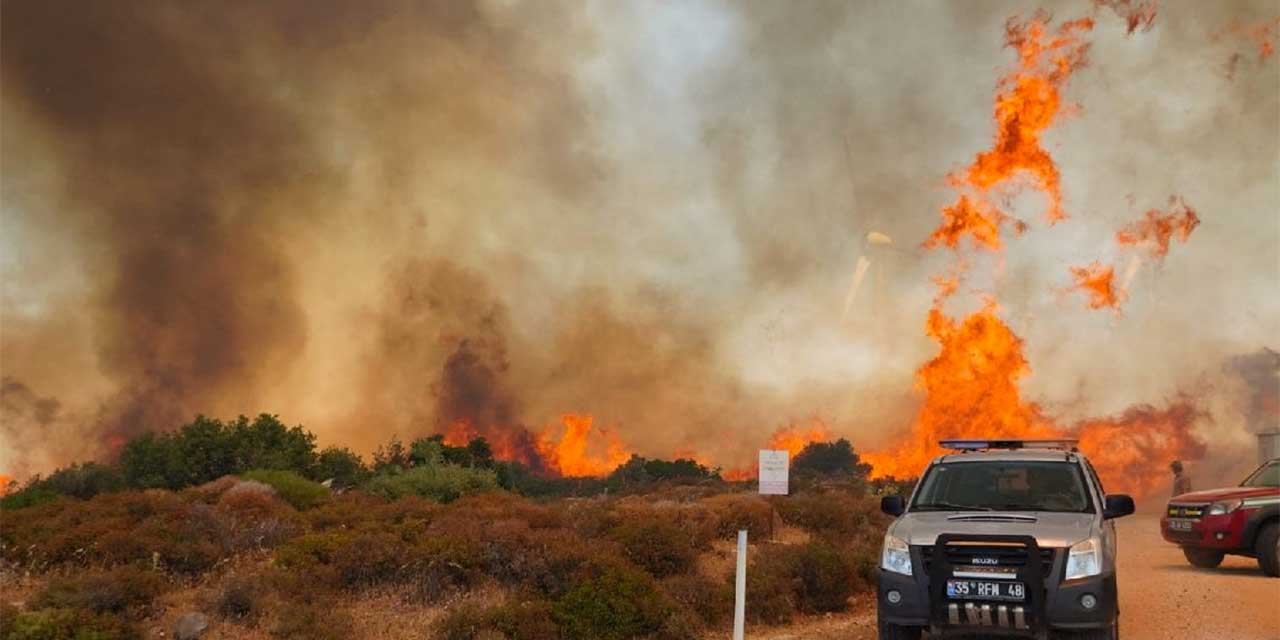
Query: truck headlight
{"x": 896, "y": 556}
{"x": 1224, "y": 507}
{"x": 1084, "y": 559}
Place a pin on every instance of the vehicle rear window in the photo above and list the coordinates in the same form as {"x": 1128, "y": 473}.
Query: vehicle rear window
{"x": 1003, "y": 485}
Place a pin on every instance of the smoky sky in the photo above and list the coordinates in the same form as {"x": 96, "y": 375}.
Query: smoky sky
{"x": 374, "y": 218}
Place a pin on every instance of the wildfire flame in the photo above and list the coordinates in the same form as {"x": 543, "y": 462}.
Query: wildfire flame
{"x": 1264, "y": 34}
{"x": 571, "y": 453}
{"x": 1157, "y": 228}
{"x": 971, "y": 385}
{"x": 4, "y": 484}
{"x": 792, "y": 438}
{"x": 1098, "y": 282}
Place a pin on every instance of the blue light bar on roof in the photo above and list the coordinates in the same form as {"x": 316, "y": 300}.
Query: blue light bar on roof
{"x": 975, "y": 445}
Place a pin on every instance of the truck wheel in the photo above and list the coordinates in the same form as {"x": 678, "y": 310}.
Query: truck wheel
{"x": 1110, "y": 633}
{"x": 1267, "y": 548}
{"x": 1203, "y": 558}
{"x": 895, "y": 632}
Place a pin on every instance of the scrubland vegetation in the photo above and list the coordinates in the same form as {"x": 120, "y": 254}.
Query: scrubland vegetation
{"x": 233, "y": 517}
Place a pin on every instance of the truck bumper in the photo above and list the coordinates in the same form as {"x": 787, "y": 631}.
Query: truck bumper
{"x": 1221, "y": 532}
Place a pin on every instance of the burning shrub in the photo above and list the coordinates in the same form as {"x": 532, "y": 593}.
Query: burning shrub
{"x": 292, "y": 488}
{"x": 444, "y": 483}
{"x": 658, "y": 546}
{"x": 514, "y": 620}
{"x": 120, "y": 590}
{"x": 612, "y": 603}
{"x": 63, "y": 624}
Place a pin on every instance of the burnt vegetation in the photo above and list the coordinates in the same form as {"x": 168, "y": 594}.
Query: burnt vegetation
{"x": 277, "y": 536}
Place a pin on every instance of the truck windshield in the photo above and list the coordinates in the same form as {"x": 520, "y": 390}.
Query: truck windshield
{"x": 1005, "y": 485}
{"x": 1266, "y": 476}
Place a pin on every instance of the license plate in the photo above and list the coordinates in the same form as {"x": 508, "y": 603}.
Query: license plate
{"x": 986, "y": 590}
{"x": 1181, "y": 525}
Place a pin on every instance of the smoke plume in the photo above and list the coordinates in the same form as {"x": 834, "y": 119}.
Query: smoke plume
{"x": 394, "y": 217}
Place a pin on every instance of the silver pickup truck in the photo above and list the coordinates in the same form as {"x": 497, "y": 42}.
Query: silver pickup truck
{"x": 1002, "y": 537}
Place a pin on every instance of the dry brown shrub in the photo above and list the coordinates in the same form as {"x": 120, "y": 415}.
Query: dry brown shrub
{"x": 737, "y": 511}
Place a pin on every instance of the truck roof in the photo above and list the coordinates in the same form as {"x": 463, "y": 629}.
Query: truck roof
{"x": 989, "y": 455}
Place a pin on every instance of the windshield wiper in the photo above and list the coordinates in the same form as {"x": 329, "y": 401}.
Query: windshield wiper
{"x": 947, "y": 506}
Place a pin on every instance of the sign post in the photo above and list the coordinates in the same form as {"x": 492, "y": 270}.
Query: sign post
{"x": 774, "y": 468}
{"x": 740, "y": 592}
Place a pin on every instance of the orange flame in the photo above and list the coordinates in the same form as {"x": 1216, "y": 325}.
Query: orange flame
{"x": 571, "y": 454}
{"x": 792, "y": 438}
{"x": 971, "y": 386}
{"x": 971, "y": 390}
{"x": 4, "y": 484}
{"x": 1027, "y": 103}
{"x": 1098, "y": 282}
{"x": 1264, "y": 34}
{"x": 1157, "y": 228}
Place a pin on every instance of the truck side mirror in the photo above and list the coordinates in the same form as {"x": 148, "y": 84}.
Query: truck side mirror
{"x": 893, "y": 505}
{"x": 1118, "y": 505}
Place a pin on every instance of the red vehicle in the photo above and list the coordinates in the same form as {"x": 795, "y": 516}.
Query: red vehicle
{"x": 1243, "y": 520}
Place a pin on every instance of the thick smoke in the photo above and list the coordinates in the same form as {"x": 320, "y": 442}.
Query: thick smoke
{"x": 386, "y": 218}
{"x": 1260, "y": 371}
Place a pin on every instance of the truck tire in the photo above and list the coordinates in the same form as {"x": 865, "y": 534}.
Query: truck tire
{"x": 1203, "y": 558}
{"x": 1267, "y": 547}
{"x": 895, "y": 632}
{"x": 1110, "y": 633}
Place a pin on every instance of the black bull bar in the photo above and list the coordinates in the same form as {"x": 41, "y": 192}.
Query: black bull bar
{"x": 1025, "y": 617}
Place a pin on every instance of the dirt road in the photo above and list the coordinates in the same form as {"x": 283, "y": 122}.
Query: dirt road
{"x": 1164, "y": 598}
{"x": 1161, "y": 597}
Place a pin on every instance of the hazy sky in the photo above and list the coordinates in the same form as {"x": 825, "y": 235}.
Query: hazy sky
{"x": 649, "y": 212}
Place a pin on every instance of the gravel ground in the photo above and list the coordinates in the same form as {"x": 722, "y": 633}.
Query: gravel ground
{"x": 1161, "y": 597}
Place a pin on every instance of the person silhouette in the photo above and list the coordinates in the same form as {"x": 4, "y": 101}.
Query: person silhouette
{"x": 1181, "y": 481}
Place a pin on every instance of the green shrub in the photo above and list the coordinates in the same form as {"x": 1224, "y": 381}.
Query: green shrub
{"x": 120, "y": 590}
{"x": 28, "y": 496}
{"x": 299, "y": 492}
{"x": 830, "y": 459}
{"x": 340, "y": 465}
{"x": 63, "y": 624}
{"x": 658, "y": 546}
{"x": 444, "y": 483}
{"x": 616, "y": 604}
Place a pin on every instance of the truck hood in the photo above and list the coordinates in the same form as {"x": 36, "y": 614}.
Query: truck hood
{"x": 1050, "y": 529}
{"x": 1225, "y": 493}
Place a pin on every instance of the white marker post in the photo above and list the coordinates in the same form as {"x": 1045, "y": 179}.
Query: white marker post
{"x": 740, "y": 595}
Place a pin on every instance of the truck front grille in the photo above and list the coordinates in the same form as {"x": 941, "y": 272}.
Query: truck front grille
{"x": 989, "y": 556}
{"x": 1193, "y": 511}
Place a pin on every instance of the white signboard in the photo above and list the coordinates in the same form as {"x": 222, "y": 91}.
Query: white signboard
{"x": 773, "y": 472}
